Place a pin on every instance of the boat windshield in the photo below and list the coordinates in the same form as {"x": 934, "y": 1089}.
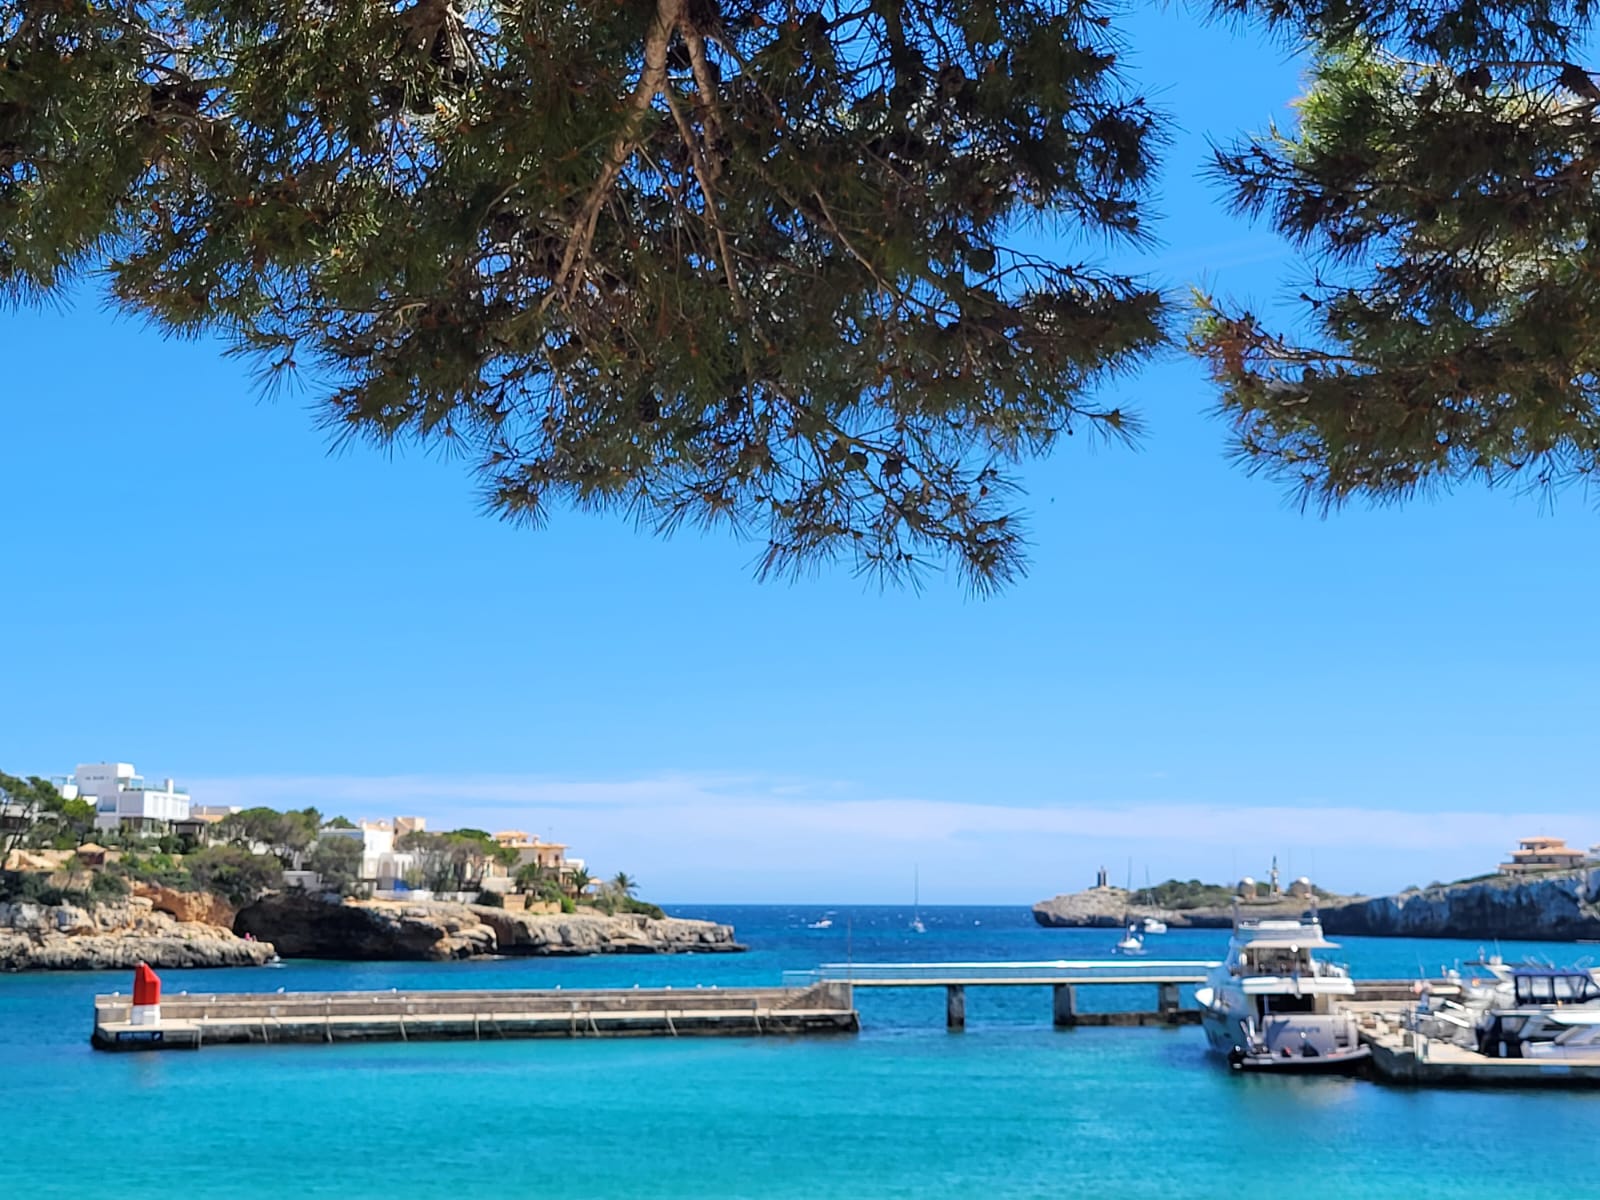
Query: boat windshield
{"x": 1555, "y": 987}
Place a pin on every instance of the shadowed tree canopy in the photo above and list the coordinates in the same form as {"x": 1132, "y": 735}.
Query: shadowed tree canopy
{"x": 761, "y": 262}
{"x": 1441, "y": 179}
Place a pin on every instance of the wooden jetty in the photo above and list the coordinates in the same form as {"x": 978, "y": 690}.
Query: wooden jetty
{"x": 189, "y": 1021}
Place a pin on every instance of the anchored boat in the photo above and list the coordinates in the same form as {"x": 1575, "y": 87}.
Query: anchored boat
{"x": 1531, "y": 1010}
{"x": 1273, "y": 1005}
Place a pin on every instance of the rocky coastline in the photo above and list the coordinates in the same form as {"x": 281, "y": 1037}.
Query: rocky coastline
{"x": 1559, "y": 906}
{"x": 308, "y": 927}
{"x": 117, "y": 936}
{"x": 175, "y": 929}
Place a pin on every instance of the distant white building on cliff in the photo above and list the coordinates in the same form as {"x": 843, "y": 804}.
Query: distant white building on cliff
{"x": 1535, "y": 854}
{"x": 123, "y": 800}
{"x": 382, "y": 866}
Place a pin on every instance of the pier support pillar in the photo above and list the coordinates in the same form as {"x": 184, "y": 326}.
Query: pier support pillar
{"x": 1064, "y": 1006}
{"x": 1167, "y": 1001}
{"x": 955, "y": 1007}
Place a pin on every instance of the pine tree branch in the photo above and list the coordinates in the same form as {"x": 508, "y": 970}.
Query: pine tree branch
{"x": 652, "y": 80}
{"x": 704, "y": 177}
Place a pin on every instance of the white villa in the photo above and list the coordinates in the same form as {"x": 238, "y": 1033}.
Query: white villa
{"x": 381, "y": 864}
{"x": 123, "y": 800}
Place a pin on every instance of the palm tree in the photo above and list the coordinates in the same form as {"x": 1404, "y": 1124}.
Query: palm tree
{"x": 578, "y": 880}
{"x": 624, "y": 883}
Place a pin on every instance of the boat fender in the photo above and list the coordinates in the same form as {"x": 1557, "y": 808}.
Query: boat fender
{"x": 1236, "y": 1059}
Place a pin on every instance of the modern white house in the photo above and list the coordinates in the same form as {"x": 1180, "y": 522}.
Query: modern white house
{"x": 381, "y": 864}
{"x": 123, "y": 800}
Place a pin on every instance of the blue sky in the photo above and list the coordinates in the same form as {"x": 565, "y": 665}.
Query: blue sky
{"x": 1194, "y": 676}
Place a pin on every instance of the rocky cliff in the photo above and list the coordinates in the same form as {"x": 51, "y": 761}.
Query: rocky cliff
{"x": 64, "y": 937}
{"x": 307, "y": 927}
{"x": 1563, "y": 906}
{"x": 1112, "y": 907}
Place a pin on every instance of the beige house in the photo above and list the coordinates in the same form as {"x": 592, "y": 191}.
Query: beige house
{"x": 550, "y": 855}
{"x": 1543, "y": 854}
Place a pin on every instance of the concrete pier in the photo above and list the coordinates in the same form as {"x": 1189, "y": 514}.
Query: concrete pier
{"x": 1064, "y": 1006}
{"x": 191, "y": 1021}
{"x": 955, "y": 1006}
{"x": 1402, "y": 1057}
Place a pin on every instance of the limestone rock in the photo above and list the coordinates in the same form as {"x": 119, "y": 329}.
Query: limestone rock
{"x": 309, "y": 927}
{"x": 1113, "y": 907}
{"x": 596, "y": 933}
{"x": 63, "y": 937}
{"x": 1561, "y": 906}
{"x": 202, "y": 907}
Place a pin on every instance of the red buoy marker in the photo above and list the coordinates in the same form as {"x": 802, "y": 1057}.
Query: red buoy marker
{"x": 146, "y": 996}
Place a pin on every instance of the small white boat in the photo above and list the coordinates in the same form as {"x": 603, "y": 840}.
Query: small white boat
{"x": 825, "y": 923}
{"x": 1131, "y": 943}
{"x": 1154, "y": 925}
{"x": 916, "y": 902}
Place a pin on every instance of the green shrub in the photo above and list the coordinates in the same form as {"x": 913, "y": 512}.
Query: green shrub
{"x": 105, "y": 887}
{"x": 34, "y": 887}
{"x": 567, "y": 905}
{"x": 491, "y": 899}
{"x": 233, "y": 873}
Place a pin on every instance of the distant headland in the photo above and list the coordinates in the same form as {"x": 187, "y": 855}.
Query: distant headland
{"x": 1545, "y": 891}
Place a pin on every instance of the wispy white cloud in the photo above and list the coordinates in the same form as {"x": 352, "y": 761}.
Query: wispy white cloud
{"x": 736, "y": 837}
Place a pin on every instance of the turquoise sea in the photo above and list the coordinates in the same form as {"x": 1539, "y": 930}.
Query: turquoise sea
{"x": 1010, "y": 1108}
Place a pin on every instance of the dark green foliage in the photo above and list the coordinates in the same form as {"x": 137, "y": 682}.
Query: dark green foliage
{"x": 106, "y": 886}
{"x": 491, "y": 899}
{"x": 288, "y": 835}
{"x": 1442, "y": 182}
{"x": 452, "y": 862}
{"x": 34, "y": 887}
{"x": 539, "y": 881}
{"x": 756, "y": 264}
{"x": 157, "y": 867}
{"x": 1179, "y": 894}
{"x": 233, "y": 873}
{"x": 737, "y": 262}
{"x": 34, "y": 814}
{"x": 338, "y": 861}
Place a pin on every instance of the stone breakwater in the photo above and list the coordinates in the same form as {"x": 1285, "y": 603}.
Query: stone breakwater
{"x": 119, "y": 936}
{"x": 1561, "y": 906}
{"x": 307, "y": 927}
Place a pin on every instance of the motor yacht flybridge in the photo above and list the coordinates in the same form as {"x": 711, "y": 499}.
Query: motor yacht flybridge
{"x": 1273, "y": 1005}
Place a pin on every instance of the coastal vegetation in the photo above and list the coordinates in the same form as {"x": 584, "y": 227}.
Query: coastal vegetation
{"x": 33, "y": 813}
{"x": 765, "y": 267}
{"x": 244, "y": 856}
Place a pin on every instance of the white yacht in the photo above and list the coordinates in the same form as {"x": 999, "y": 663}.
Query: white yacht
{"x": 1154, "y": 925}
{"x": 1527, "y": 1011}
{"x": 1272, "y": 1005}
{"x": 1131, "y": 942}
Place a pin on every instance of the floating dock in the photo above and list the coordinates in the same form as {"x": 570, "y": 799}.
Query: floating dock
{"x": 189, "y": 1021}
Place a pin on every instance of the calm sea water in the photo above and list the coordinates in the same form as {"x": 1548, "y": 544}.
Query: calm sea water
{"x": 1011, "y": 1108}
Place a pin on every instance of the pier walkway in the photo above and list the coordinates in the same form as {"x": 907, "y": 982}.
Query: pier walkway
{"x": 1062, "y": 976}
{"x": 189, "y": 1021}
